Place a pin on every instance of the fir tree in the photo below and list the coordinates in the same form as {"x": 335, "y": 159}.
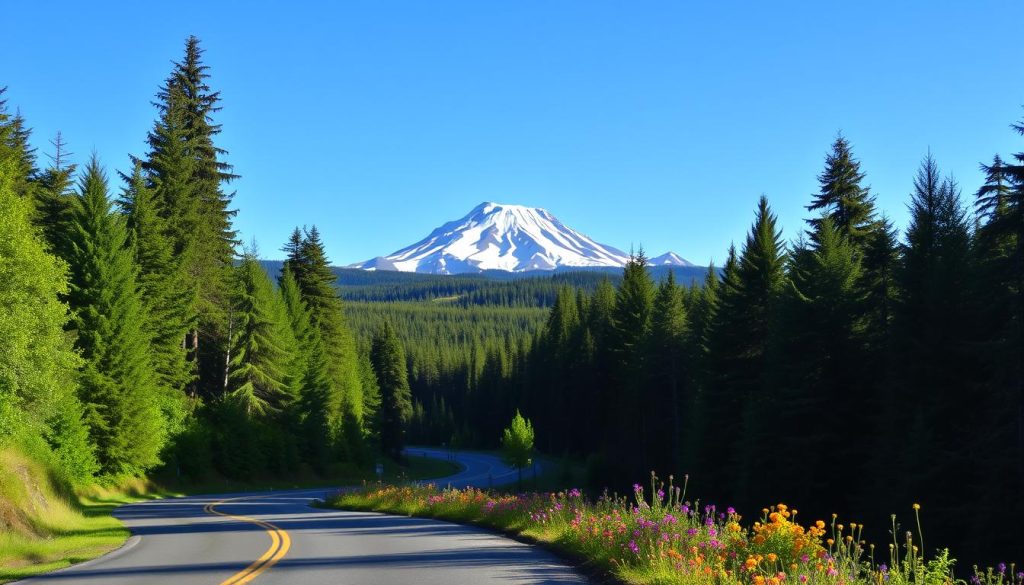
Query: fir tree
{"x": 186, "y": 171}
{"x": 666, "y": 370}
{"x": 842, "y": 197}
{"x": 14, "y": 147}
{"x": 54, "y": 194}
{"x": 262, "y": 344}
{"x": 308, "y": 263}
{"x": 162, "y": 285}
{"x": 388, "y": 360}
{"x": 118, "y": 386}
{"x": 631, "y": 318}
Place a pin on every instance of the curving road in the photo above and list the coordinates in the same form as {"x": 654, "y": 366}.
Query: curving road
{"x": 479, "y": 469}
{"x": 277, "y": 538}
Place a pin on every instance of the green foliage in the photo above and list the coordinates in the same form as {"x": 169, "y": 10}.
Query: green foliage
{"x": 517, "y": 444}
{"x": 118, "y": 388}
{"x": 842, "y": 198}
{"x": 308, "y": 263}
{"x": 54, "y": 196}
{"x": 261, "y": 376}
{"x": 186, "y": 172}
{"x": 37, "y": 364}
{"x": 395, "y": 410}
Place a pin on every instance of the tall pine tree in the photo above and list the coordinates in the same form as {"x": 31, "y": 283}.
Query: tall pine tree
{"x": 118, "y": 385}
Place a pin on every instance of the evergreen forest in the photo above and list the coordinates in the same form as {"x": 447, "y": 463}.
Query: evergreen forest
{"x": 845, "y": 366}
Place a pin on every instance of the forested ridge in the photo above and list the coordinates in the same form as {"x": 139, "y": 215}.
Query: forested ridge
{"x": 852, "y": 368}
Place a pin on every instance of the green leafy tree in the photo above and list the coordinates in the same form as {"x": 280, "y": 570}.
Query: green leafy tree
{"x": 395, "y": 411}
{"x": 119, "y": 387}
{"x": 37, "y": 365}
{"x": 517, "y": 444}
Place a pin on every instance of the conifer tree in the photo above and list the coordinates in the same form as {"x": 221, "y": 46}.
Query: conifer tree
{"x": 388, "y": 360}
{"x": 314, "y": 384}
{"x": 631, "y": 319}
{"x": 308, "y": 263}
{"x": 934, "y": 326}
{"x": 118, "y": 385}
{"x": 187, "y": 172}
{"x": 821, "y": 359}
{"x": 666, "y": 371}
{"x": 742, "y": 334}
{"x": 14, "y": 147}
{"x": 262, "y": 344}
{"x": 54, "y": 194}
{"x": 161, "y": 283}
{"x": 842, "y": 198}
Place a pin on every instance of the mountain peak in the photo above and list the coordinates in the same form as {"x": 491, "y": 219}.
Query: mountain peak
{"x": 669, "y": 258}
{"x": 500, "y": 236}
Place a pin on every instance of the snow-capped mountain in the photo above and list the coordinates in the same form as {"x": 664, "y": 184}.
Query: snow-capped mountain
{"x": 495, "y": 236}
{"x": 669, "y": 259}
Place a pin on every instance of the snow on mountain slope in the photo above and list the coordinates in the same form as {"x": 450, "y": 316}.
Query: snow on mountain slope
{"x": 669, "y": 259}
{"x": 495, "y": 236}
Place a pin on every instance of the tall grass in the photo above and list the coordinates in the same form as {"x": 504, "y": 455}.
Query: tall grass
{"x": 658, "y": 536}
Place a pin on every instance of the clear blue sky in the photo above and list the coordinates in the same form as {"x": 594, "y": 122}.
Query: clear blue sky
{"x": 653, "y": 123}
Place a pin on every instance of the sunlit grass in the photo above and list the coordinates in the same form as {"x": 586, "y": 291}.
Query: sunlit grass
{"x": 42, "y": 528}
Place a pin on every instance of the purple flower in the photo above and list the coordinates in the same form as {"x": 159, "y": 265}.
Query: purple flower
{"x": 574, "y": 493}
{"x": 692, "y": 532}
{"x": 633, "y": 547}
{"x": 1002, "y": 568}
{"x": 661, "y": 494}
{"x": 637, "y": 489}
{"x": 883, "y": 567}
{"x": 730, "y": 510}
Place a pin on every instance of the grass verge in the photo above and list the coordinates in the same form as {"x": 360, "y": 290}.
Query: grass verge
{"x": 45, "y": 526}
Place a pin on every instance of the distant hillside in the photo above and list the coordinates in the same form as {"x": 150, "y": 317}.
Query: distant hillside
{"x": 490, "y": 288}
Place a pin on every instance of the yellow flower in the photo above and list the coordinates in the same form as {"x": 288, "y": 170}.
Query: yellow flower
{"x": 772, "y": 557}
{"x": 917, "y": 506}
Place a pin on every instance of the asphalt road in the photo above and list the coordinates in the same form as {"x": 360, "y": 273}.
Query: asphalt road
{"x": 277, "y": 538}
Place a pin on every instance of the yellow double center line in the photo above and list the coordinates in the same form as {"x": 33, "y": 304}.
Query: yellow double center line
{"x": 280, "y": 542}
